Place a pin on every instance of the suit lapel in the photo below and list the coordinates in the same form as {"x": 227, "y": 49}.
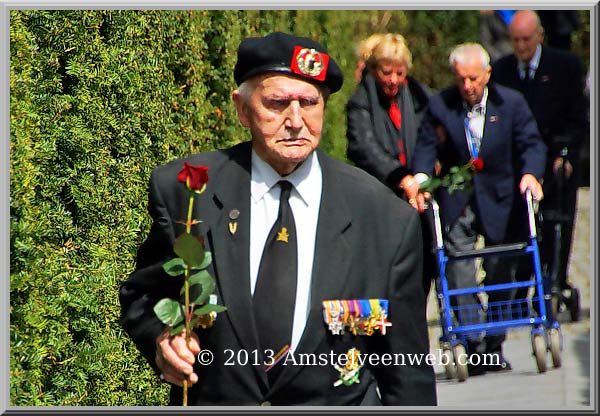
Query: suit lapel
{"x": 233, "y": 264}
{"x": 493, "y": 121}
{"x": 331, "y": 264}
{"x": 456, "y": 126}
{"x": 539, "y": 94}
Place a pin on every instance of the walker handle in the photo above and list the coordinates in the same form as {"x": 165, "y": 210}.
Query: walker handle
{"x": 439, "y": 242}
{"x": 529, "y": 199}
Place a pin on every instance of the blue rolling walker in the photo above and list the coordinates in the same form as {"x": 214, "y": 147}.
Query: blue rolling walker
{"x": 534, "y": 310}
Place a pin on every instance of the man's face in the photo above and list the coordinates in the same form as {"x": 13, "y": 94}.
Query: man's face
{"x": 390, "y": 76}
{"x": 525, "y": 36}
{"x": 471, "y": 79}
{"x": 285, "y": 118}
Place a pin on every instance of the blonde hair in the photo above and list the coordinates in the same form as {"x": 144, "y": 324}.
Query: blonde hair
{"x": 392, "y": 48}
{"x": 366, "y": 46}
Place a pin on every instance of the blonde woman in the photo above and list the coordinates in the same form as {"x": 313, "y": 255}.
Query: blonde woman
{"x": 384, "y": 114}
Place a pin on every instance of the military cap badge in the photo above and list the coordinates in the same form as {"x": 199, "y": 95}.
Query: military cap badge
{"x": 309, "y": 62}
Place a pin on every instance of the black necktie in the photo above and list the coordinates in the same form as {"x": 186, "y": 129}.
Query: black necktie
{"x": 275, "y": 293}
{"x": 527, "y": 84}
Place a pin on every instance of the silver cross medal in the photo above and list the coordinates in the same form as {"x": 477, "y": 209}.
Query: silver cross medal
{"x": 336, "y": 326}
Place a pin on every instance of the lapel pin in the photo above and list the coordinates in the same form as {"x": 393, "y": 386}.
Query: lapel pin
{"x": 283, "y": 235}
{"x": 233, "y": 215}
{"x": 493, "y": 119}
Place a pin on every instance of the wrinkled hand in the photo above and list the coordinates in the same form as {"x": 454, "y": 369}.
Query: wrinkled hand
{"x": 529, "y": 181}
{"x": 411, "y": 189}
{"x": 558, "y": 164}
{"x": 174, "y": 359}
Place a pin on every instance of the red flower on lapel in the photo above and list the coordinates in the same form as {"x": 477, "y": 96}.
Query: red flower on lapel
{"x": 477, "y": 164}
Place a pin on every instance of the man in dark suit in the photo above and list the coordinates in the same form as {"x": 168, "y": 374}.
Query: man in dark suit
{"x": 552, "y": 82}
{"x": 474, "y": 119}
{"x": 355, "y": 240}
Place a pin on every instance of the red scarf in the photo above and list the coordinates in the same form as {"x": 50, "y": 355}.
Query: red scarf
{"x": 396, "y": 117}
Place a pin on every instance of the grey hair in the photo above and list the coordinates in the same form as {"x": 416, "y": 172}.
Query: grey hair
{"x": 247, "y": 87}
{"x": 466, "y": 51}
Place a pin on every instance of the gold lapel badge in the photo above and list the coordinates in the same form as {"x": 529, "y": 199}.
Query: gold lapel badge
{"x": 283, "y": 235}
{"x": 233, "y": 215}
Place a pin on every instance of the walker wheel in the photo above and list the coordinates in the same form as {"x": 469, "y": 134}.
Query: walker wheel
{"x": 539, "y": 350}
{"x": 555, "y": 350}
{"x": 462, "y": 372}
{"x": 449, "y": 366}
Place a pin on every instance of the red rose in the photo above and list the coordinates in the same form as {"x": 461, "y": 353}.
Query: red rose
{"x": 194, "y": 177}
{"x": 477, "y": 164}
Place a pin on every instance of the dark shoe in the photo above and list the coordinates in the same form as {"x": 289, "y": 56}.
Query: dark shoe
{"x": 503, "y": 365}
{"x": 476, "y": 370}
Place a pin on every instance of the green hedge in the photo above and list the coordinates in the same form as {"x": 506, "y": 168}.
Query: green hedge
{"x": 98, "y": 99}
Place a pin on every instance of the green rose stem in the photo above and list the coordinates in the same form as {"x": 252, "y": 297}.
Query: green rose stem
{"x": 191, "y": 255}
{"x": 188, "y": 229}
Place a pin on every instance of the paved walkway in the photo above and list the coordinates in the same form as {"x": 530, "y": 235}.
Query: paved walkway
{"x": 565, "y": 388}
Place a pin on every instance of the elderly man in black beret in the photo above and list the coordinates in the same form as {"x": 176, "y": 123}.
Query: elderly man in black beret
{"x": 318, "y": 264}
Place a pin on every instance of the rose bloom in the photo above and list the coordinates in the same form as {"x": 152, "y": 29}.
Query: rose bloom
{"x": 195, "y": 177}
{"x": 477, "y": 164}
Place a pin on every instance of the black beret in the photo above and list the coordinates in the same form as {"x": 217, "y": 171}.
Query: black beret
{"x": 293, "y": 55}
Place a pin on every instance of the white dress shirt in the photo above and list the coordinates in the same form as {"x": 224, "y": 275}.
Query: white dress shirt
{"x": 476, "y": 125}
{"x": 532, "y": 65}
{"x": 476, "y": 122}
{"x": 305, "y": 200}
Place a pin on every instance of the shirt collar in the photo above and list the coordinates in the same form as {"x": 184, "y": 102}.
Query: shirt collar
{"x": 481, "y": 105}
{"x": 304, "y": 178}
{"x": 533, "y": 63}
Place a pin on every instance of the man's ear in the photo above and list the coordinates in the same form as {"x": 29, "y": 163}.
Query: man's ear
{"x": 541, "y": 35}
{"x": 241, "y": 108}
{"x": 488, "y": 73}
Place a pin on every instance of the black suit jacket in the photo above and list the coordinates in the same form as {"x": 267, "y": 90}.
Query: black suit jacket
{"x": 511, "y": 147}
{"x": 368, "y": 245}
{"x": 557, "y": 99}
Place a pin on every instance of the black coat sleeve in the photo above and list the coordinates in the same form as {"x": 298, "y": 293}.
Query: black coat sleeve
{"x": 575, "y": 112}
{"x": 406, "y": 384}
{"x": 364, "y": 148}
{"x": 149, "y": 283}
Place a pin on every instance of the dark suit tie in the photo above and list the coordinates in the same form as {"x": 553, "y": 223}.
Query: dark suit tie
{"x": 527, "y": 84}
{"x": 275, "y": 293}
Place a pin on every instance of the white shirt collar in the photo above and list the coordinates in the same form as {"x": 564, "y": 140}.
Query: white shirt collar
{"x": 533, "y": 63}
{"x": 480, "y": 105}
{"x": 264, "y": 177}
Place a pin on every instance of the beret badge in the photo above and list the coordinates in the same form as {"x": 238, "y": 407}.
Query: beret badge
{"x": 310, "y": 63}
